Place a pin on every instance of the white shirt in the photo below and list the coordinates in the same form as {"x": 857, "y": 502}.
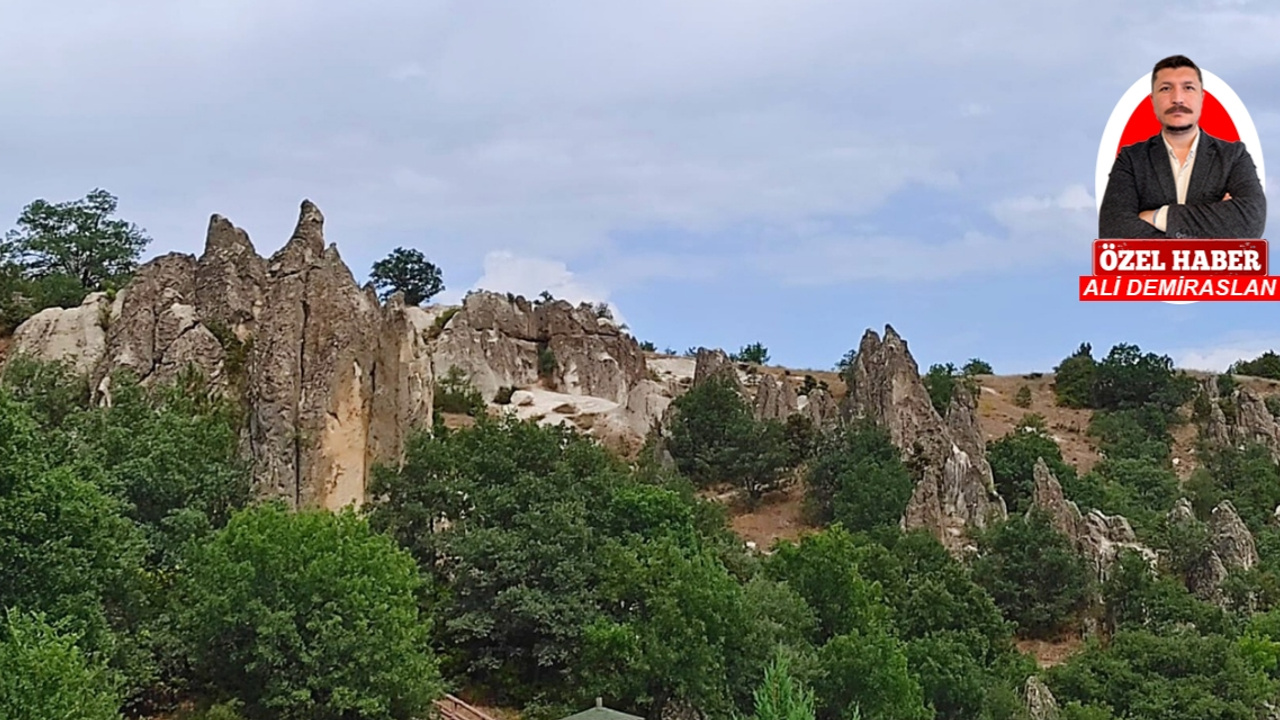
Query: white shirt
{"x": 1181, "y": 177}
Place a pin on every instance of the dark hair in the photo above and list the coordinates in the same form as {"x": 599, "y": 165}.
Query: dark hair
{"x": 1172, "y": 63}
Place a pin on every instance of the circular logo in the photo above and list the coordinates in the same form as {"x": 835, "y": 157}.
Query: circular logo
{"x": 1133, "y": 120}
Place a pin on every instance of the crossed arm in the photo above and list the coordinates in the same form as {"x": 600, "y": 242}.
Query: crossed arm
{"x": 1241, "y": 213}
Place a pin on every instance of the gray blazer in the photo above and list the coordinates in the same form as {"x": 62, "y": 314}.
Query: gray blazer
{"x": 1141, "y": 179}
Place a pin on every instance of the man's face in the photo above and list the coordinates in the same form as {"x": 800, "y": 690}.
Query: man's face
{"x": 1177, "y": 97}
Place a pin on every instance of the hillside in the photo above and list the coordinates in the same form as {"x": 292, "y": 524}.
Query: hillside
{"x": 272, "y": 488}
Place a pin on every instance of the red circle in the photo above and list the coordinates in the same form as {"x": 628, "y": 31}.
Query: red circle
{"x": 1213, "y": 120}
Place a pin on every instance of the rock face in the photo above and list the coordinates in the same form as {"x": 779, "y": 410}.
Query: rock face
{"x": 332, "y": 379}
{"x": 820, "y": 407}
{"x": 1041, "y": 705}
{"x": 505, "y": 341}
{"x": 954, "y": 488}
{"x": 775, "y": 399}
{"x": 1239, "y": 418}
{"x": 76, "y": 336}
{"x": 1231, "y": 547}
{"x": 1098, "y": 537}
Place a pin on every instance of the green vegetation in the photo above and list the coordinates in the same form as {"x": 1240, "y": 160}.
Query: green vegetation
{"x": 61, "y": 252}
{"x": 454, "y": 393}
{"x": 1266, "y": 365}
{"x": 407, "y": 271}
{"x": 941, "y": 382}
{"x": 1023, "y": 397}
{"x": 715, "y": 438}
{"x": 755, "y": 353}
{"x": 529, "y": 567}
{"x": 976, "y": 366}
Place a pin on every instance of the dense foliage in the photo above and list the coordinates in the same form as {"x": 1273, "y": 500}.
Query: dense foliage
{"x": 407, "y": 271}
{"x": 60, "y": 252}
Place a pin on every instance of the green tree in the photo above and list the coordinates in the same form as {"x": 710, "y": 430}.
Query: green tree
{"x": 77, "y": 239}
{"x": 780, "y": 696}
{"x": 1074, "y": 377}
{"x": 976, "y": 366}
{"x": 866, "y": 672}
{"x": 1179, "y": 675}
{"x": 940, "y": 382}
{"x": 1013, "y": 460}
{"x": 407, "y": 271}
{"x": 308, "y": 615}
{"x": 1023, "y": 397}
{"x": 44, "y": 675}
{"x": 755, "y": 353}
{"x": 1034, "y": 574}
{"x": 1127, "y": 379}
{"x": 714, "y": 437}
{"x": 857, "y": 478}
{"x": 1266, "y": 365}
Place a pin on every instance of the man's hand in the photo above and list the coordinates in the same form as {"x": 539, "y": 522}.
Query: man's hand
{"x": 1226, "y": 197}
{"x": 1149, "y": 216}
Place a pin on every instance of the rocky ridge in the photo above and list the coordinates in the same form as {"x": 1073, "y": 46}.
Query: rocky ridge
{"x": 955, "y": 490}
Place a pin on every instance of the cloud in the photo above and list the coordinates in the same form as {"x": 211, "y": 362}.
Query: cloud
{"x": 1036, "y": 231}
{"x": 1218, "y": 357}
{"x": 505, "y": 271}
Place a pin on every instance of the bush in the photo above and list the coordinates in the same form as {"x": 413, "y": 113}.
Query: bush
{"x": 1266, "y": 365}
{"x": 1023, "y": 397}
{"x": 456, "y": 394}
{"x": 546, "y": 361}
{"x": 1074, "y": 377}
{"x": 1034, "y": 574}
{"x": 857, "y": 479}
{"x": 755, "y": 353}
{"x": 714, "y": 437}
{"x": 308, "y": 615}
{"x": 977, "y": 367}
{"x": 45, "y": 676}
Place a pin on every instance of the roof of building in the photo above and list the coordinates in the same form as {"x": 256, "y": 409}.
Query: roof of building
{"x": 600, "y": 712}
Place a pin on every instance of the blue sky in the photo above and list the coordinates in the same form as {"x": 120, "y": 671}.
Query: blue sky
{"x": 722, "y": 172}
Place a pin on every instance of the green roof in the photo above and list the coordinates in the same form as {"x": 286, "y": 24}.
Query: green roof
{"x": 600, "y": 712}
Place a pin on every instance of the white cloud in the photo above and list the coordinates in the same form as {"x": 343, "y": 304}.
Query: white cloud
{"x": 1217, "y": 358}
{"x": 505, "y": 271}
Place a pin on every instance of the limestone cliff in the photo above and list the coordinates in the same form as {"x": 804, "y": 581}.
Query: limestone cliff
{"x": 954, "y": 486}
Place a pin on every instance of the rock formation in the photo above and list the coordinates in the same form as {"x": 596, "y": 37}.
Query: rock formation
{"x": 1041, "y": 705}
{"x": 954, "y": 489}
{"x": 1239, "y": 418}
{"x": 333, "y": 380}
{"x": 1100, "y": 538}
{"x": 76, "y": 336}
{"x": 710, "y": 363}
{"x": 505, "y": 341}
{"x": 820, "y": 407}
{"x": 775, "y": 399}
{"x": 1231, "y": 547}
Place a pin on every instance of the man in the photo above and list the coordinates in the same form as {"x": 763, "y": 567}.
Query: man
{"x": 1182, "y": 182}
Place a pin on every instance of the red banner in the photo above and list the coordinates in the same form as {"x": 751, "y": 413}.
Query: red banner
{"x": 1179, "y": 258}
{"x": 1232, "y": 288}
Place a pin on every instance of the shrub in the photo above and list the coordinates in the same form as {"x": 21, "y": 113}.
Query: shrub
{"x": 503, "y": 396}
{"x": 546, "y": 361}
{"x": 976, "y": 366}
{"x": 755, "y": 353}
{"x": 45, "y": 676}
{"x": 1034, "y": 574}
{"x": 308, "y": 615}
{"x": 456, "y": 394}
{"x": 1074, "y": 377}
{"x": 1023, "y": 397}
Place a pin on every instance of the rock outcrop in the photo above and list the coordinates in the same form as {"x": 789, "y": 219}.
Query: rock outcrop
{"x": 75, "y": 336}
{"x": 775, "y": 399}
{"x": 502, "y": 340}
{"x": 1240, "y": 418}
{"x": 332, "y": 379}
{"x": 1041, "y": 705}
{"x": 820, "y": 407}
{"x": 1231, "y": 547}
{"x": 954, "y": 489}
{"x": 1100, "y": 538}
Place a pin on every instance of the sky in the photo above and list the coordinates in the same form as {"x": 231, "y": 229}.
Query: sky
{"x": 721, "y": 172}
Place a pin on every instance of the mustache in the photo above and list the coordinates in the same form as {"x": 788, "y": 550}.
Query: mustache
{"x": 1177, "y": 108}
